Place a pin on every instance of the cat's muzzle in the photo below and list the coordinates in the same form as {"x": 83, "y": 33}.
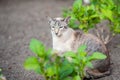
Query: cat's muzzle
{"x": 57, "y": 34}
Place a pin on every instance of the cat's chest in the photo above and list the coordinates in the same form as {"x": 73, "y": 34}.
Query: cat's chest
{"x": 62, "y": 46}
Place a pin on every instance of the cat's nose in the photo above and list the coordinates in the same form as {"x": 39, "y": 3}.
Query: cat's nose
{"x": 56, "y": 33}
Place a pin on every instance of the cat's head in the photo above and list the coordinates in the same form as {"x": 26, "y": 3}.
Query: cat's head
{"x": 58, "y": 25}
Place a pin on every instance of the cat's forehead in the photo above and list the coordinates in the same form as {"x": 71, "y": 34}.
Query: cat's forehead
{"x": 59, "y": 21}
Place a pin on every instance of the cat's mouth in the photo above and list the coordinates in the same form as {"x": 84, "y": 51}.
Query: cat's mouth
{"x": 58, "y": 35}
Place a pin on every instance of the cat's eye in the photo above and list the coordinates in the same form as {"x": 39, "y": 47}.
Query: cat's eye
{"x": 61, "y": 27}
{"x": 53, "y": 27}
{"x": 65, "y": 27}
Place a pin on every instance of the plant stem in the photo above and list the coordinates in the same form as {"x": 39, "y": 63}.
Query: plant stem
{"x": 42, "y": 68}
{"x": 81, "y": 71}
{"x": 57, "y": 68}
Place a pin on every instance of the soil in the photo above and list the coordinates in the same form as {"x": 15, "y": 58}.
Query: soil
{"x": 22, "y": 20}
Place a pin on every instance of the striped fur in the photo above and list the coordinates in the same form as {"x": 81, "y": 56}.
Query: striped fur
{"x": 67, "y": 39}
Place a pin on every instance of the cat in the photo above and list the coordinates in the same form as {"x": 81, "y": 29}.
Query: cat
{"x": 67, "y": 39}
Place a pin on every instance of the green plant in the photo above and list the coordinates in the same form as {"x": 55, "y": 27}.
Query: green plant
{"x": 54, "y": 67}
{"x": 85, "y": 17}
{"x": 0, "y": 72}
{"x": 1, "y": 75}
{"x": 80, "y": 60}
{"x": 51, "y": 66}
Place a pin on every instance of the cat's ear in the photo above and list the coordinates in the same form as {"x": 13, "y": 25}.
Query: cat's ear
{"x": 67, "y": 19}
{"x": 49, "y": 19}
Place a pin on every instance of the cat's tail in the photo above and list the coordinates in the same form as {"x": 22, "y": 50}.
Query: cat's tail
{"x": 102, "y": 31}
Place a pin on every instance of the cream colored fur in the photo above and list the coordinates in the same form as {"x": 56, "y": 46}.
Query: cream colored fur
{"x": 63, "y": 43}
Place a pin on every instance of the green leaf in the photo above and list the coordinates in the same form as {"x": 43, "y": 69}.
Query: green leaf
{"x": 75, "y": 61}
{"x": 118, "y": 9}
{"x": 65, "y": 70}
{"x": 96, "y": 56}
{"x": 73, "y": 24}
{"x": 48, "y": 52}
{"x": 69, "y": 54}
{"x": 77, "y": 78}
{"x": 81, "y": 50}
{"x": 89, "y": 64}
{"x": 94, "y": 16}
{"x": 32, "y": 63}
{"x": 50, "y": 71}
{"x": 82, "y": 26}
{"x": 77, "y": 5}
{"x": 67, "y": 78}
{"x": 37, "y": 47}
{"x": 108, "y": 13}
{"x": 84, "y": 60}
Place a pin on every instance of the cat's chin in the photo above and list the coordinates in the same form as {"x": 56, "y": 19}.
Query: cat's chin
{"x": 58, "y": 35}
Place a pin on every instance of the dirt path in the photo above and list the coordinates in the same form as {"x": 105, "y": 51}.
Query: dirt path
{"x": 21, "y": 20}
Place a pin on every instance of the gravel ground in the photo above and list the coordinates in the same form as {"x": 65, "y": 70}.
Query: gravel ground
{"x": 21, "y": 20}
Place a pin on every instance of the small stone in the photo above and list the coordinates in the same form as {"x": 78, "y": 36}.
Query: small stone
{"x": 10, "y": 37}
